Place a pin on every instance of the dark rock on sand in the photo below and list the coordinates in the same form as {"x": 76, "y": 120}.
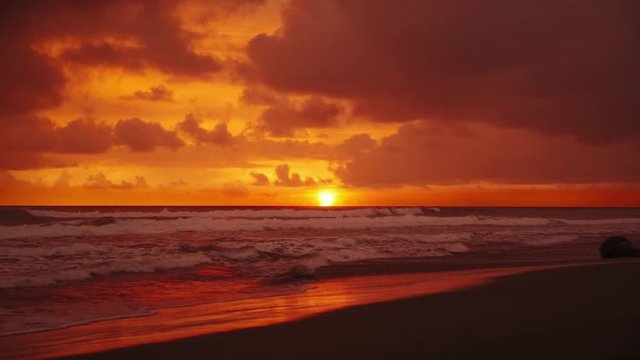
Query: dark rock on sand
{"x": 618, "y": 246}
{"x": 297, "y": 273}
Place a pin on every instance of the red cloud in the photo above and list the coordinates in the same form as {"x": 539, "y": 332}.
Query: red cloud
{"x": 284, "y": 178}
{"x": 219, "y": 135}
{"x": 423, "y": 154}
{"x": 28, "y": 81}
{"x": 100, "y": 181}
{"x": 25, "y": 141}
{"x": 19, "y": 160}
{"x": 260, "y": 96}
{"x": 140, "y": 135}
{"x": 132, "y": 34}
{"x": 83, "y": 136}
{"x": 560, "y": 67}
{"x": 259, "y": 179}
{"x": 129, "y": 34}
{"x": 283, "y": 118}
{"x": 155, "y": 93}
{"x": 354, "y": 146}
{"x": 37, "y": 134}
{"x": 160, "y": 40}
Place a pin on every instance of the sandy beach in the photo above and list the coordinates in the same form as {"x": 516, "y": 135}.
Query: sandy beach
{"x": 575, "y": 312}
{"x": 585, "y": 312}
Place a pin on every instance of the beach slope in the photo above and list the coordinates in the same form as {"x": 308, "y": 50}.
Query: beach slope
{"x": 584, "y": 312}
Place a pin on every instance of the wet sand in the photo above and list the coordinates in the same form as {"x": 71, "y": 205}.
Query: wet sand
{"x": 583, "y": 312}
{"x": 188, "y": 321}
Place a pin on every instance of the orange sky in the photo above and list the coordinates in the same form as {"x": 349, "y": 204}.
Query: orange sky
{"x": 260, "y": 102}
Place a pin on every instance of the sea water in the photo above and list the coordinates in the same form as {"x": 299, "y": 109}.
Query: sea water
{"x": 63, "y": 266}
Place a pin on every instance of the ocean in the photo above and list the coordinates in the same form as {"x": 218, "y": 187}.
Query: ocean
{"x": 65, "y": 266}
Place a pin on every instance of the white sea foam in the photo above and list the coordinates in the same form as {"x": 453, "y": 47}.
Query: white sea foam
{"x": 40, "y": 254}
{"x": 271, "y": 259}
{"x": 37, "y": 262}
{"x": 325, "y": 250}
{"x": 321, "y": 251}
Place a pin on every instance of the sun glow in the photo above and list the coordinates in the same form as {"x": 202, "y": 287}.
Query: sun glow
{"x": 326, "y": 198}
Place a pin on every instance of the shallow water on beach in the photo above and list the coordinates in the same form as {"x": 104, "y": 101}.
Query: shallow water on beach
{"x": 66, "y": 266}
{"x": 180, "y": 322}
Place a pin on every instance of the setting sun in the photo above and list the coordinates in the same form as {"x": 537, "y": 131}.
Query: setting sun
{"x": 326, "y": 198}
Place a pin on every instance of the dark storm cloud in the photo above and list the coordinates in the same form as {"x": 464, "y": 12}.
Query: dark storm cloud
{"x": 260, "y": 96}
{"x": 27, "y": 81}
{"x": 152, "y": 26}
{"x": 26, "y": 140}
{"x": 556, "y": 66}
{"x": 283, "y": 118}
{"x": 140, "y": 135}
{"x": 31, "y": 80}
{"x": 424, "y": 153}
{"x": 134, "y": 35}
{"x": 38, "y": 134}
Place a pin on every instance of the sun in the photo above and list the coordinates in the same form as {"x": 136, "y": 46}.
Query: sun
{"x": 326, "y": 198}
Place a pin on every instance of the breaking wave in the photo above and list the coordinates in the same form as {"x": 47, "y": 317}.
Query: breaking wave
{"x": 237, "y": 253}
{"x": 141, "y": 264}
{"x": 260, "y": 242}
{"x": 202, "y": 224}
{"x": 32, "y": 265}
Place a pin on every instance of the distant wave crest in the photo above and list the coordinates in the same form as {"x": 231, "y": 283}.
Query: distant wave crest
{"x": 130, "y": 225}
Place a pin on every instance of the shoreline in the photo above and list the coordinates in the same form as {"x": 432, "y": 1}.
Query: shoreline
{"x": 325, "y": 297}
{"x": 478, "y": 259}
{"x": 567, "y": 312}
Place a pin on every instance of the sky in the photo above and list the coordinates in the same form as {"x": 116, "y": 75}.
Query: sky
{"x": 273, "y": 102}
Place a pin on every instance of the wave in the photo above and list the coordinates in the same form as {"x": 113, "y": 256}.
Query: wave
{"x": 199, "y": 224}
{"x": 133, "y": 265}
{"x": 320, "y": 251}
{"x": 52, "y": 251}
{"x": 297, "y": 259}
{"x": 20, "y": 216}
{"x": 261, "y": 246}
{"x": 35, "y": 266}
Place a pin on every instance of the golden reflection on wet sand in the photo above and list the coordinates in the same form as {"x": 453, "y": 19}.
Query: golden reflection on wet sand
{"x": 174, "y": 323}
